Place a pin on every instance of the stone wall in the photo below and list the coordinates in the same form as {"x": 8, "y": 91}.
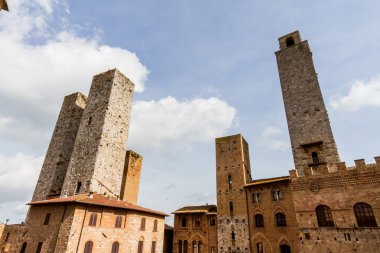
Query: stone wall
{"x": 57, "y": 158}
{"x": 131, "y": 177}
{"x": 97, "y": 162}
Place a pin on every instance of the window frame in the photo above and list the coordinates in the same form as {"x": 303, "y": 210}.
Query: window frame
{"x": 365, "y": 217}
{"x": 280, "y": 219}
{"x": 324, "y": 216}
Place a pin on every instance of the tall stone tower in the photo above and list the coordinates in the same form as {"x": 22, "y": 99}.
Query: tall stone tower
{"x": 97, "y": 161}
{"x": 232, "y": 172}
{"x": 52, "y": 176}
{"x": 131, "y": 177}
{"x": 308, "y": 122}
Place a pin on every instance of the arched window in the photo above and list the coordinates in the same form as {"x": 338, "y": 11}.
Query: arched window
{"x": 185, "y": 246}
{"x": 88, "y": 247}
{"x": 276, "y": 195}
{"x": 290, "y": 42}
{"x": 195, "y": 247}
{"x": 183, "y": 222}
{"x": 231, "y": 208}
{"x": 280, "y": 220}
{"x": 154, "y": 243}
{"x": 229, "y": 182}
{"x": 285, "y": 248}
{"x": 115, "y": 247}
{"x": 199, "y": 247}
{"x": 39, "y": 247}
{"x": 140, "y": 246}
{"x": 155, "y": 223}
{"x": 259, "y": 220}
{"x": 364, "y": 215}
{"x": 142, "y": 226}
{"x": 23, "y": 247}
{"x": 314, "y": 157}
{"x": 93, "y": 219}
{"x": 179, "y": 246}
{"x": 324, "y": 216}
{"x": 118, "y": 221}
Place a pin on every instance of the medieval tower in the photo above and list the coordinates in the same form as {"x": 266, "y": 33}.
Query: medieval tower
{"x": 233, "y": 171}
{"x": 308, "y": 123}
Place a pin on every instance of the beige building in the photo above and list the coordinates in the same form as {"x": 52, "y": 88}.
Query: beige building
{"x": 86, "y": 195}
{"x": 321, "y": 206}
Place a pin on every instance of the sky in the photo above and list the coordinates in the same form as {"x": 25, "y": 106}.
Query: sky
{"x": 202, "y": 69}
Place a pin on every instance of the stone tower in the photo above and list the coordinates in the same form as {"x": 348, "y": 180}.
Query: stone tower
{"x": 131, "y": 177}
{"x": 308, "y": 122}
{"x": 97, "y": 161}
{"x": 50, "y": 181}
{"x": 232, "y": 172}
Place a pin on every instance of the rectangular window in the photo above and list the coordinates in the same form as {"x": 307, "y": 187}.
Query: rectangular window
{"x": 153, "y": 247}
{"x": 140, "y": 248}
{"x": 347, "y": 237}
{"x": 79, "y": 185}
{"x": 93, "y": 219}
{"x": 47, "y": 219}
{"x": 197, "y": 221}
{"x": 7, "y": 237}
{"x": 118, "y": 221}
{"x": 39, "y": 247}
{"x": 212, "y": 221}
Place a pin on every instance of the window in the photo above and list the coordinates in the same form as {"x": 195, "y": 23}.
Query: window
{"x": 153, "y": 250}
{"x": 259, "y": 247}
{"x": 88, "y": 247}
{"x": 259, "y": 220}
{"x": 155, "y": 223}
{"x": 212, "y": 220}
{"x": 118, "y": 221}
{"x": 256, "y": 197}
{"x": 39, "y": 247}
{"x": 314, "y": 157}
{"x": 276, "y": 195}
{"x": 142, "y": 226}
{"x": 140, "y": 247}
{"x": 195, "y": 247}
{"x": 47, "y": 219}
{"x": 93, "y": 219}
{"x": 89, "y": 121}
{"x": 7, "y": 237}
{"x": 115, "y": 247}
{"x": 364, "y": 215}
{"x": 290, "y": 42}
{"x": 229, "y": 182}
{"x": 179, "y": 246}
{"x": 79, "y": 186}
{"x": 280, "y": 220}
{"x": 231, "y": 208}
{"x": 233, "y": 236}
{"x": 199, "y": 247}
{"x": 212, "y": 249}
{"x": 185, "y": 246}
{"x": 197, "y": 221}
{"x": 23, "y": 247}
{"x": 347, "y": 237}
{"x": 285, "y": 248}
{"x": 183, "y": 222}
{"x": 324, "y": 216}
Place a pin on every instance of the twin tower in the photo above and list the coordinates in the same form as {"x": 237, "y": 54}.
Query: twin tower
{"x": 87, "y": 152}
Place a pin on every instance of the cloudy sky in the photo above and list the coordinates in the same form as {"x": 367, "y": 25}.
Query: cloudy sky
{"x": 203, "y": 69}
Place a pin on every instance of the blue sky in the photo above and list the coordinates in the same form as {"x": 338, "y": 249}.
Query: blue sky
{"x": 203, "y": 69}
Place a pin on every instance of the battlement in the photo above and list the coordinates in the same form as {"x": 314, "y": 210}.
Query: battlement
{"x": 322, "y": 170}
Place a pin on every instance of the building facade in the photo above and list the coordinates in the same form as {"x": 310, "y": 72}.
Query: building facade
{"x": 86, "y": 195}
{"x": 321, "y": 206}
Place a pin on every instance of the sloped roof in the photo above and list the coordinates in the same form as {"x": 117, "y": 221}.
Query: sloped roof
{"x": 207, "y": 209}
{"x": 267, "y": 180}
{"x": 98, "y": 200}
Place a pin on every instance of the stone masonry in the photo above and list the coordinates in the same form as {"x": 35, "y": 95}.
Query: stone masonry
{"x": 131, "y": 177}
{"x": 61, "y": 146}
{"x": 308, "y": 123}
{"x": 97, "y": 162}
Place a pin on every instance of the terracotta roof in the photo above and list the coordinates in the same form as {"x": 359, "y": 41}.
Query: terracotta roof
{"x": 208, "y": 209}
{"x": 268, "y": 180}
{"x": 98, "y": 200}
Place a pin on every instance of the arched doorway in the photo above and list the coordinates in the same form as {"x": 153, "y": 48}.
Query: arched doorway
{"x": 285, "y": 248}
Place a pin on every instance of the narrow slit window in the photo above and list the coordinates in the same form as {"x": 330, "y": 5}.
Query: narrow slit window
{"x": 47, "y": 219}
{"x": 79, "y": 186}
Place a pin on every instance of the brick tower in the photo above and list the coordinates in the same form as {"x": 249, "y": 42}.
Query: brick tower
{"x": 232, "y": 172}
{"x": 97, "y": 161}
{"x": 308, "y": 122}
{"x": 61, "y": 146}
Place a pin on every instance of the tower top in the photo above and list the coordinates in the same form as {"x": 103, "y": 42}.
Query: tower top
{"x": 289, "y": 40}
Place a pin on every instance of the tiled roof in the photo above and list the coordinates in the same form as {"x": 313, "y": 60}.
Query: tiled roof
{"x": 268, "y": 180}
{"x": 208, "y": 209}
{"x": 98, "y": 200}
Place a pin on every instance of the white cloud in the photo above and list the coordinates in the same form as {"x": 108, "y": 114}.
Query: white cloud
{"x": 158, "y": 123}
{"x": 362, "y": 93}
{"x": 273, "y": 138}
{"x": 57, "y": 62}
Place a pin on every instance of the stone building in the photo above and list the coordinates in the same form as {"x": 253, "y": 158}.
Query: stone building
{"x": 321, "y": 206}
{"x": 86, "y": 195}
